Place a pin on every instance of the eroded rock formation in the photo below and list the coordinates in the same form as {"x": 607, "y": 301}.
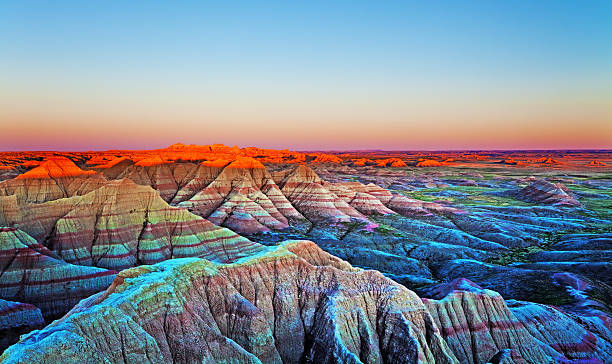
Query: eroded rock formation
{"x": 17, "y": 318}
{"x": 306, "y": 191}
{"x": 123, "y": 224}
{"x": 31, "y": 273}
{"x": 72, "y": 220}
{"x": 478, "y": 324}
{"x": 244, "y": 197}
{"x": 295, "y": 303}
{"x": 288, "y": 304}
{"x": 54, "y": 179}
{"x": 544, "y": 192}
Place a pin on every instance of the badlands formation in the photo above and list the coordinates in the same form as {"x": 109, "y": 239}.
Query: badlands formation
{"x": 220, "y": 254}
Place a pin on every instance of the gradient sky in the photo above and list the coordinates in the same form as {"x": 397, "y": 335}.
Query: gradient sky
{"x": 80, "y": 75}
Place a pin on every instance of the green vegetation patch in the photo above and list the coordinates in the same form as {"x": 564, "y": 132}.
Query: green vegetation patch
{"x": 388, "y": 230}
{"x": 474, "y": 196}
{"x": 516, "y": 255}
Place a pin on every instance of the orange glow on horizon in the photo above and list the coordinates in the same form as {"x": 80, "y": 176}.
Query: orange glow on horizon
{"x": 417, "y": 123}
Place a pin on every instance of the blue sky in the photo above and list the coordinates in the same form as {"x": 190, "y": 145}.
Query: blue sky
{"x": 266, "y": 69}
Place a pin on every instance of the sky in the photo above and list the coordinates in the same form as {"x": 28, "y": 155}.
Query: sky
{"x": 305, "y": 75}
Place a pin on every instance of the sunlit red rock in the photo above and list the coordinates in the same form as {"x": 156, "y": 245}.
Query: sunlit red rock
{"x": 217, "y": 163}
{"x": 476, "y": 157}
{"x": 195, "y": 153}
{"x": 56, "y": 168}
{"x": 429, "y": 163}
{"x": 391, "y": 162}
{"x": 546, "y": 160}
{"x": 513, "y": 162}
{"x": 596, "y": 163}
{"x": 151, "y": 161}
{"x": 54, "y": 179}
{"x": 363, "y": 162}
{"x": 99, "y": 160}
{"x": 31, "y": 164}
{"x": 107, "y": 163}
{"x": 326, "y": 158}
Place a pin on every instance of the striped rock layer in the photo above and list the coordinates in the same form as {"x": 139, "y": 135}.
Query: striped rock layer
{"x": 358, "y": 197}
{"x": 175, "y": 181}
{"x": 238, "y": 193}
{"x": 370, "y": 198}
{"x": 54, "y": 179}
{"x": 121, "y": 225}
{"x": 292, "y": 303}
{"x": 577, "y": 338}
{"x": 478, "y": 325}
{"x": 243, "y": 197}
{"x": 543, "y": 192}
{"x": 33, "y": 274}
{"x": 306, "y": 191}
{"x": 17, "y": 318}
{"x": 17, "y": 314}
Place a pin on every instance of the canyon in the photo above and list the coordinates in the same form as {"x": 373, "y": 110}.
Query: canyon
{"x": 246, "y": 255}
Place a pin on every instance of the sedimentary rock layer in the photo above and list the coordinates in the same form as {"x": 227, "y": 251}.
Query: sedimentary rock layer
{"x": 369, "y": 199}
{"x": 295, "y": 303}
{"x": 289, "y": 304}
{"x": 17, "y": 318}
{"x": 477, "y": 324}
{"x": 237, "y": 193}
{"x": 55, "y": 178}
{"x": 244, "y": 197}
{"x": 578, "y": 338}
{"x": 544, "y": 192}
{"x": 241, "y": 194}
{"x": 306, "y": 191}
{"x": 30, "y": 273}
{"x": 123, "y": 224}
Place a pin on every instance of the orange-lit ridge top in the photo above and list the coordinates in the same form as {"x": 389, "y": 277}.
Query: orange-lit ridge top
{"x": 56, "y": 167}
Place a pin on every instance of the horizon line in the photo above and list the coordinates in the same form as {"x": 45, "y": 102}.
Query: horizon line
{"x": 609, "y": 149}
